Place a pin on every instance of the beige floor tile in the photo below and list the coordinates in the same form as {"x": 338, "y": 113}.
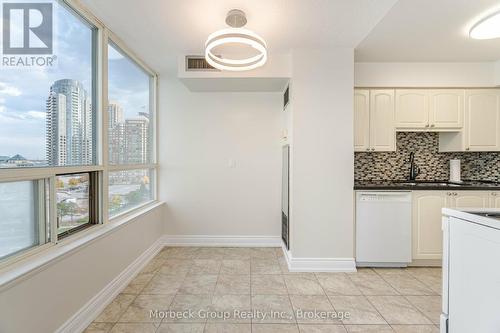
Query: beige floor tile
{"x": 205, "y": 266}
{"x": 116, "y": 308}
{"x": 139, "y": 310}
{"x": 430, "y": 276}
{"x": 198, "y": 284}
{"x": 189, "y": 308}
{"x": 337, "y": 284}
{"x": 183, "y": 252}
{"x": 369, "y": 329}
{"x": 227, "y": 328}
{"x": 163, "y": 284}
{"x": 99, "y": 328}
{"x": 321, "y": 328}
{"x": 273, "y": 303}
{"x": 138, "y": 283}
{"x": 430, "y": 306}
{"x": 360, "y": 311}
{"x": 133, "y": 328}
{"x": 233, "y": 284}
{"x": 415, "y": 328}
{"x": 405, "y": 284}
{"x": 175, "y": 266}
{"x": 268, "y": 285}
{"x": 181, "y": 328}
{"x": 265, "y": 266}
{"x": 274, "y": 328}
{"x": 303, "y": 285}
{"x": 153, "y": 265}
{"x": 210, "y": 253}
{"x": 370, "y": 283}
{"x": 397, "y": 310}
{"x": 313, "y": 309}
{"x": 235, "y": 266}
{"x": 227, "y": 307}
{"x": 263, "y": 252}
{"x": 242, "y": 253}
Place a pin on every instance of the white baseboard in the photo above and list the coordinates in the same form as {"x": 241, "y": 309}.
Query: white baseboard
{"x": 80, "y": 320}
{"x": 235, "y": 241}
{"x": 318, "y": 264}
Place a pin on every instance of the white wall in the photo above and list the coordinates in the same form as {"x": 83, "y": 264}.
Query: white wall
{"x": 425, "y": 75}
{"x": 322, "y": 158}
{"x": 43, "y": 301}
{"x": 200, "y": 133}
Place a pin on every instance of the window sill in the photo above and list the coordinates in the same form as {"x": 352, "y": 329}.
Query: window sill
{"x": 22, "y": 269}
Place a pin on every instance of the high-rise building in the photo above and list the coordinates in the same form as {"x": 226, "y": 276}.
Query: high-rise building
{"x": 116, "y": 133}
{"x": 136, "y": 140}
{"x": 69, "y": 136}
{"x": 115, "y": 114}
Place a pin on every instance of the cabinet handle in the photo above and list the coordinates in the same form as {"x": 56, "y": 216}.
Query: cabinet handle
{"x": 467, "y": 148}
{"x": 373, "y": 149}
{"x": 432, "y": 125}
{"x": 455, "y": 193}
{"x": 494, "y": 194}
{"x": 427, "y": 125}
{"x": 448, "y": 194}
{"x": 367, "y": 149}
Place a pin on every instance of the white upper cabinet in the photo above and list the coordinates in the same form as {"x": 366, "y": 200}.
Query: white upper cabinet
{"x": 412, "y": 108}
{"x": 429, "y": 109}
{"x": 382, "y": 131}
{"x": 374, "y": 120}
{"x": 482, "y": 123}
{"x": 446, "y": 108}
{"x": 361, "y": 120}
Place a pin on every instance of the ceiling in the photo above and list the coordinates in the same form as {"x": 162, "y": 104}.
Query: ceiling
{"x": 430, "y": 31}
{"x": 160, "y": 30}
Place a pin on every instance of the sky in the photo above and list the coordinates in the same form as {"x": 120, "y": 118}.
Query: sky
{"x": 24, "y": 91}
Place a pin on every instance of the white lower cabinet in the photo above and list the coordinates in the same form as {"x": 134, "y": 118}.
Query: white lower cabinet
{"x": 426, "y": 223}
{"x": 427, "y": 236}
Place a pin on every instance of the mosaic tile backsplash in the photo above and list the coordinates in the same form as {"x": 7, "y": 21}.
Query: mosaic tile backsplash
{"x": 433, "y": 164}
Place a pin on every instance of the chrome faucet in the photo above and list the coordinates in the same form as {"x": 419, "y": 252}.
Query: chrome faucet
{"x": 414, "y": 169}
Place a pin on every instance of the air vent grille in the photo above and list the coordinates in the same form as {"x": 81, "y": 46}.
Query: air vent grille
{"x": 198, "y": 63}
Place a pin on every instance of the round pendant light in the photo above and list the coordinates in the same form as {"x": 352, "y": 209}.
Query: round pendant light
{"x": 236, "y": 19}
{"x": 487, "y": 28}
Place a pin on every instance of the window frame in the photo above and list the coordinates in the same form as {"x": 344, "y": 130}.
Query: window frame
{"x": 101, "y": 167}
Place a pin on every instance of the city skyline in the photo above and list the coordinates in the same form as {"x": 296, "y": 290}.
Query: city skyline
{"x": 23, "y": 92}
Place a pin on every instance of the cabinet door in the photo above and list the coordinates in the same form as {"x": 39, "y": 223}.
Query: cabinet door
{"x": 427, "y": 234}
{"x": 382, "y": 131}
{"x": 471, "y": 199}
{"x": 482, "y": 120}
{"x": 361, "y": 120}
{"x": 446, "y": 108}
{"x": 495, "y": 200}
{"x": 412, "y": 108}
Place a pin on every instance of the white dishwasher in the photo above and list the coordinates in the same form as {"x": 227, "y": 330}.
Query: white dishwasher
{"x": 383, "y": 228}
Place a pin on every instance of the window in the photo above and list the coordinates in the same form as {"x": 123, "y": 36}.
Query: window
{"x": 76, "y": 202}
{"x": 60, "y": 165}
{"x": 129, "y": 116}
{"x": 130, "y": 132}
{"x": 47, "y": 115}
{"x": 24, "y": 215}
{"x": 129, "y": 189}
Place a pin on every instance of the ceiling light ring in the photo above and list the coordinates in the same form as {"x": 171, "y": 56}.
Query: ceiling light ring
{"x": 223, "y": 40}
{"x": 475, "y": 31}
{"x": 235, "y": 35}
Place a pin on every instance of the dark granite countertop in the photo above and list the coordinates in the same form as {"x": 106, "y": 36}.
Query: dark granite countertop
{"x": 424, "y": 185}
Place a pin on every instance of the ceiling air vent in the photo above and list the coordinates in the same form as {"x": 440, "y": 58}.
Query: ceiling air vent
{"x": 198, "y": 64}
